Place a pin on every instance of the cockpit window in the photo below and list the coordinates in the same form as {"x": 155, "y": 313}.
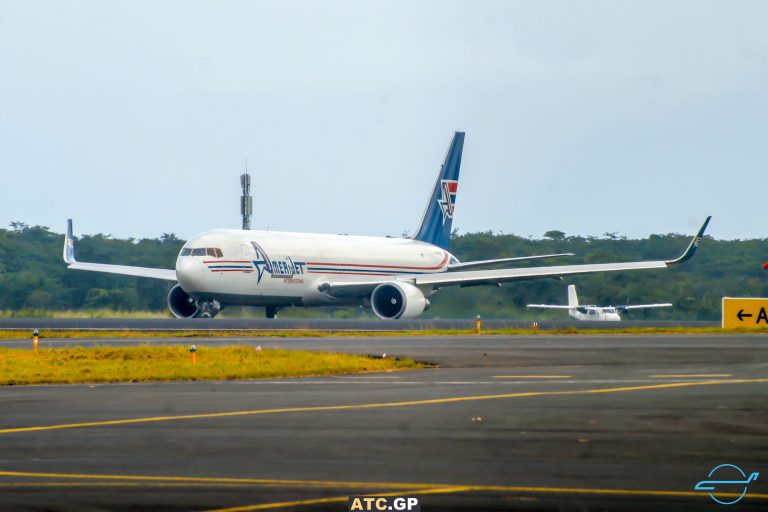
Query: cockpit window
{"x": 213, "y": 252}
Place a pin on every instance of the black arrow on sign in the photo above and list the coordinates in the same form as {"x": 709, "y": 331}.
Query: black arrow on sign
{"x": 742, "y": 314}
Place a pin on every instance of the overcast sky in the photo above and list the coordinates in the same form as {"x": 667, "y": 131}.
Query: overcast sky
{"x": 136, "y": 118}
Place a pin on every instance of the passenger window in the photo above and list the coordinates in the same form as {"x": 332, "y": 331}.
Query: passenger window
{"x": 186, "y": 251}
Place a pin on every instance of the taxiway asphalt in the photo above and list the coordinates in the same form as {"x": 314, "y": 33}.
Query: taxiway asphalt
{"x": 522, "y": 423}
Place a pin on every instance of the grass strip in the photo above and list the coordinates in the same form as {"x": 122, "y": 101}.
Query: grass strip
{"x": 18, "y": 334}
{"x": 167, "y": 363}
{"x": 81, "y": 313}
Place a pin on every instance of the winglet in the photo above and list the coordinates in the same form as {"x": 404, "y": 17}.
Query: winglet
{"x": 69, "y": 245}
{"x": 688, "y": 254}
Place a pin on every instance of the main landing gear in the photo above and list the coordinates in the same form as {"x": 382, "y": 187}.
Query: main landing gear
{"x": 272, "y": 311}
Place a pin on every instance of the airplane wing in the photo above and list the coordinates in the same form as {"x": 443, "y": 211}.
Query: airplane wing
{"x": 486, "y": 263}
{"x": 469, "y": 278}
{"x": 498, "y": 276}
{"x": 69, "y": 258}
{"x": 549, "y": 306}
{"x": 641, "y": 306}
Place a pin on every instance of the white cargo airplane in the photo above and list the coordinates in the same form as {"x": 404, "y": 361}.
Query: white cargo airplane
{"x": 395, "y": 277}
{"x": 594, "y": 313}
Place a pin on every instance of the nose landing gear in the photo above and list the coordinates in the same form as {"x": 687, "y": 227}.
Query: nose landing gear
{"x": 208, "y": 308}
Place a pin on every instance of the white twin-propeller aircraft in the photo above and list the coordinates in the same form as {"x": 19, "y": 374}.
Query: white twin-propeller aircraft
{"x": 595, "y": 313}
{"x": 395, "y": 277}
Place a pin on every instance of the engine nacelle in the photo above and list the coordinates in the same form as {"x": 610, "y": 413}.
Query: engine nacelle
{"x": 398, "y": 300}
{"x": 181, "y": 304}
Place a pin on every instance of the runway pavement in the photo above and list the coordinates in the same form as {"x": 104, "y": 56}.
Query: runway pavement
{"x": 503, "y": 423}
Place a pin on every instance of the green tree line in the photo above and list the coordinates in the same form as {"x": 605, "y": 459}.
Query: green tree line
{"x": 33, "y": 275}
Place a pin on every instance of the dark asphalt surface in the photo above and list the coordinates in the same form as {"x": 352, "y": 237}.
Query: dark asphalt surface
{"x": 314, "y": 324}
{"x": 545, "y": 451}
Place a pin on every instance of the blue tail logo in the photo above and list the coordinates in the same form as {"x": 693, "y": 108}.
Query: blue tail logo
{"x": 435, "y": 227}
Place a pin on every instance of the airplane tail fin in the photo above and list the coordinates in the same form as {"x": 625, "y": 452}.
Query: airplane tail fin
{"x": 573, "y": 299}
{"x": 435, "y": 227}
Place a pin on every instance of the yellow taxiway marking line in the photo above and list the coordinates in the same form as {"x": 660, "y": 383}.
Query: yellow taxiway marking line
{"x": 380, "y": 405}
{"x": 415, "y": 488}
{"x": 192, "y": 480}
{"x": 532, "y": 376}
{"x": 505, "y": 489}
{"x": 496, "y": 488}
{"x": 690, "y": 375}
{"x": 282, "y": 504}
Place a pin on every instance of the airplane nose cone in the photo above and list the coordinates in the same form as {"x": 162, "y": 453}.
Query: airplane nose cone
{"x": 191, "y": 273}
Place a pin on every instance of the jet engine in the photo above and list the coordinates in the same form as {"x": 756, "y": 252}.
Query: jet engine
{"x": 398, "y": 300}
{"x": 183, "y": 305}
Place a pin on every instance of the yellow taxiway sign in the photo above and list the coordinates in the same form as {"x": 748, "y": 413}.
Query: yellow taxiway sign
{"x": 749, "y": 313}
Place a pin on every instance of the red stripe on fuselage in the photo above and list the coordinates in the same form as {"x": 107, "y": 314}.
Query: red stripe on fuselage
{"x": 357, "y": 265}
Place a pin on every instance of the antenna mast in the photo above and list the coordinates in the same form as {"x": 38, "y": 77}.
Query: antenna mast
{"x": 246, "y": 200}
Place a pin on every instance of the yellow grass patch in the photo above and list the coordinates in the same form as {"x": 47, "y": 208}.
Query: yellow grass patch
{"x": 82, "y": 313}
{"x": 164, "y": 363}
